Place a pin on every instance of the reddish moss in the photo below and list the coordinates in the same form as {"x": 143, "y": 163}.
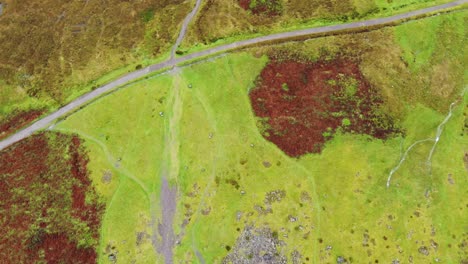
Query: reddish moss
{"x": 41, "y": 190}
{"x": 302, "y": 104}
{"x": 59, "y": 249}
{"x": 18, "y": 120}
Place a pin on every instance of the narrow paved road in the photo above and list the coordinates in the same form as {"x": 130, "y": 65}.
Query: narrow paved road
{"x": 169, "y": 64}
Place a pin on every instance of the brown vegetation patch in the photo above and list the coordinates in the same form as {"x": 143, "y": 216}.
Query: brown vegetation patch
{"x": 300, "y": 105}
{"x": 48, "y": 45}
{"x": 16, "y": 121}
{"x": 48, "y": 202}
{"x": 268, "y": 7}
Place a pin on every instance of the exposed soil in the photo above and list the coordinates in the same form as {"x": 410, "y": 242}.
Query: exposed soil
{"x": 18, "y": 120}
{"x": 47, "y": 202}
{"x": 301, "y": 105}
{"x": 168, "y": 204}
{"x": 267, "y": 7}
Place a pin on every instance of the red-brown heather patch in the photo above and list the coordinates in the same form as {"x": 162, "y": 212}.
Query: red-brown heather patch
{"x": 59, "y": 249}
{"x": 42, "y": 196}
{"x": 302, "y": 104}
{"x": 268, "y": 7}
{"x": 18, "y": 120}
{"x": 78, "y": 163}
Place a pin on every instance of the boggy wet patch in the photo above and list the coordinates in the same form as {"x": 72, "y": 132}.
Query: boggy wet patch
{"x": 301, "y": 105}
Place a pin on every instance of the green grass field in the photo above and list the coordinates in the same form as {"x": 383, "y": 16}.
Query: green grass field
{"x": 346, "y": 182}
{"x": 195, "y": 127}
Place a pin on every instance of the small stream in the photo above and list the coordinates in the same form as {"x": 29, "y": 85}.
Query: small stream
{"x": 440, "y": 129}
{"x": 436, "y": 139}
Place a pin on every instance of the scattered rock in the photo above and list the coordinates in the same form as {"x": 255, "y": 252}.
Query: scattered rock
{"x": 292, "y": 218}
{"x": 266, "y": 164}
{"x": 1, "y": 9}
{"x": 112, "y": 258}
{"x": 238, "y": 215}
{"x": 161, "y": 113}
{"x": 341, "y": 260}
{"x": 274, "y": 196}
{"x": 106, "y": 177}
{"x": 395, "y": 261}
{"x": 434, "y": 244}
{"x": 296, "y": 257}
{"x": 262, "y": 211}
{"x": 424, "y": 250}
{"x": 190, "y": 86}
{"x": 365, "y": 240}
{"x": 256, "y": 246}
{"x": 427, "y": 194}
{"x": 267, "y": 257}
{"x": 450, "y": 179}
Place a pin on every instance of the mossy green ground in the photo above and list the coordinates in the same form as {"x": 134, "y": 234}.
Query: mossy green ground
{"x": 346, "y": 182}
{"x": 198, "y": 122}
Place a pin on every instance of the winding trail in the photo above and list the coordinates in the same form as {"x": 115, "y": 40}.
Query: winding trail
{"x": 184, "y": 28}
{"x": 169, "y": 171}
{"x": 172, "y": 62}
{"x": 110, "y": 159}
{"x": 170, "y": 164}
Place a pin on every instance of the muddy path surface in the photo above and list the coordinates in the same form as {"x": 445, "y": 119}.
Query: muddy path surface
{"x": 169, "y": 64}
{"x": 168, "y": 200}
{"x": 163, "y": 237}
